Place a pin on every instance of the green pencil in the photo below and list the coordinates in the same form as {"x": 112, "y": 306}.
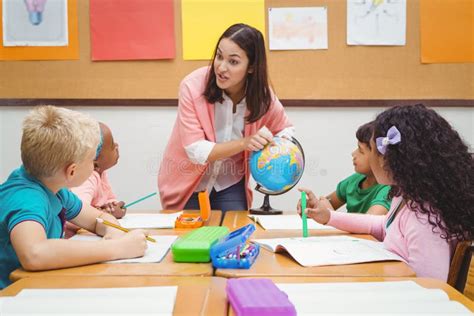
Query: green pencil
{"x": 139, "y": 200}
{"x": 303, "y": 214}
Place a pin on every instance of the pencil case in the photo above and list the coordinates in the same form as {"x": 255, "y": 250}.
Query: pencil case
{"x": 233, "y": 251}
{"x": 196, "y": 220}
{"x": 258, "y": 297}
{"x": 195, "y": 246}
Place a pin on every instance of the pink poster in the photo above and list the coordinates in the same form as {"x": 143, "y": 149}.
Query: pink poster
{"x": 132, "y": 29}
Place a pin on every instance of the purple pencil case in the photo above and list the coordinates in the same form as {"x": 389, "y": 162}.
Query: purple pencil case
{"x": 258, "y": 297}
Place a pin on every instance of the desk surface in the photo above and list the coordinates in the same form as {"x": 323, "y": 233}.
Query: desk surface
{"x": 167, "y": 267}
{"x": 427, "y": 283}
{"x": 196, "y": 295}
{"x": 270, "y": 264}
{"x": 214, "y": 220}
{"x": 236, "y": 219}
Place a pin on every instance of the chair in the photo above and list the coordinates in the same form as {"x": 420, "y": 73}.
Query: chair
{"x": 459, "y": 268}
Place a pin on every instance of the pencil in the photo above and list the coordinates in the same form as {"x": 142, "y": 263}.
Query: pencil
{"x": 303, "y": 214}
{"x": 105, "y": 222}
{"x": 139, "y": 200}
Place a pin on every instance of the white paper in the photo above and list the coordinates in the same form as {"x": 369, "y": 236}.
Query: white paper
{"x": 361, "y": 298}
{"x": 158, "y": 300}
{"x": 332, "y": 250}
{"x": 155, "y": 252}
{"x": 298, "y": 28}
{"x": 376, "y": 22}
{"x": 289, "y": 222}
{"x": 50, "y": 29}
{"x": 149, "y": 220}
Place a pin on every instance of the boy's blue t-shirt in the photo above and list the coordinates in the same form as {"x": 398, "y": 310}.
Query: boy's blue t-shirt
{"x": 24, "y": 198}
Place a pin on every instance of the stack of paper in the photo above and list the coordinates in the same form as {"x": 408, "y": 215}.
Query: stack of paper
{"x": 92, "y": 301}
{"x": 292, "y": 222}
{"x": 332, "y": 250}
{"x": 155, "y": 252}
{"x": 149, "y": 220}
{"x": 377, "y": 298}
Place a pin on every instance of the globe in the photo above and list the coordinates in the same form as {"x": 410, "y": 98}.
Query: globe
{"x": 276, "y": 168}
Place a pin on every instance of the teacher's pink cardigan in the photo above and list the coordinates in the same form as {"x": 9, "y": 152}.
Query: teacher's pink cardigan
{"x": 178, "y": 176}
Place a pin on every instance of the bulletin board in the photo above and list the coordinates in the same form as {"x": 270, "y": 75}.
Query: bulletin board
{"x": 340, "y": 75}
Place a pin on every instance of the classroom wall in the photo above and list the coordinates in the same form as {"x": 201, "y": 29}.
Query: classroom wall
{"x": 327, "y": 135}
{"x": 340, "y": 72}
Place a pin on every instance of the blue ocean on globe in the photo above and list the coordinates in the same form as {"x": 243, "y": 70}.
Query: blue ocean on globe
{"x": 278, "y": 166}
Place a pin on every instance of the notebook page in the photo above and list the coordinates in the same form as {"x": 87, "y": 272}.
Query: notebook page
{"x": 161, "y": 302}
{"x": 404, "y": 297}
{"x": 351, "y": 286}
{"x": 155, "y": 252}
{"x": 332, "y": 250}
{"x": 149, "y": 220}
{"x": 286, "y": 222}
{"x": 143, "y": 292}
{"x": 320, "y": 307}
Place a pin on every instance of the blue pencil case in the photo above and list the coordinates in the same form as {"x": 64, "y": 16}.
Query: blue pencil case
{"x": 233, "y": 252}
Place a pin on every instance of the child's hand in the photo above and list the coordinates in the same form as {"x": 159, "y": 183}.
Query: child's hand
{"x": 311, "y": 200}
{"x": 118, "y": 210}
{"x": 258, "y": 140}
{"x": 113, "y": 233}
{"x": 107, "y": 207}
{"x": 132, "y": 244}
{"x": 114, "y": 208}
{"x": 322, "y": 213}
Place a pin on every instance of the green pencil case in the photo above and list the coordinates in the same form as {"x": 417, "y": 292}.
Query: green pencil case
{"x": 195, "y": 246}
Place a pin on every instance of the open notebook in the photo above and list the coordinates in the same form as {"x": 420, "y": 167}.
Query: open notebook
{"x": 158, "y": 300}
{"x": 270, "y": 222}
{"x": 155, "y": 252}
{"x": 375, "y": 298}
{"x": 332, "y": 250}
{"x": 149, "y": 220}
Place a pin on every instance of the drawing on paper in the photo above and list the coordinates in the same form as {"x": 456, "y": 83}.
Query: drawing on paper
{"x": 297, "y": 28}
{"x": 35, "y": 23}
{"x": 376, "y": 22}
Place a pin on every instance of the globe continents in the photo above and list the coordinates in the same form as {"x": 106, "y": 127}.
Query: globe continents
{"x": 278, "y": 166}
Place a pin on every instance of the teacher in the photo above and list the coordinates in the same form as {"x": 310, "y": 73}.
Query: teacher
{"x": 225, "y": 111}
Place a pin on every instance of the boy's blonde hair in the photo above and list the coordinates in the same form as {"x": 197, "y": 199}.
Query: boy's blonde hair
{"x": 55, "y": 137}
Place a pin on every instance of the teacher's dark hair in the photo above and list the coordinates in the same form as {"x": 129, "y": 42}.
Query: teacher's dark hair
{"x": 258, "y": 95}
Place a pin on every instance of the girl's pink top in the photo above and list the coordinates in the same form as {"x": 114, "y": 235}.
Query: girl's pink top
{"x": 409, "y": 235}
{"x": 96, "y": 190}
{"x": 178, "y": 176}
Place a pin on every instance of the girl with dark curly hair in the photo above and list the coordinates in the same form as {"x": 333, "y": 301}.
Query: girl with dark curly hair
{"x": 432, "y": 176}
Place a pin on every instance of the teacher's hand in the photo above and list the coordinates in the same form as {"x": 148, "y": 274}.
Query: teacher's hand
{"x": 258, "y": 140}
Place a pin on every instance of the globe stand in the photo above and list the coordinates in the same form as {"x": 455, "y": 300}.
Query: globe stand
{"x": 265, "y": 209}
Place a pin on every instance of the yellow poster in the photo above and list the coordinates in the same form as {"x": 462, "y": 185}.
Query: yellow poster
{"x": 204, "y": 21}
{"x": 447, "y": 31}
{"x": 35, "y": 13}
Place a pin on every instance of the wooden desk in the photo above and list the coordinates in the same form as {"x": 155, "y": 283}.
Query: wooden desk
{"x": 427, "y": 283}
{"x": 236, "y": 219}
{"x": 214, "y": 220}
{"x": 167, "y": 267}
{"x": 196, "y": 295}
{"x": 269, "y": 264}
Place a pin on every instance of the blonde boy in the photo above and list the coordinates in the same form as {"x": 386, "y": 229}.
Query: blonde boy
{"x": 57, "y": 150}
